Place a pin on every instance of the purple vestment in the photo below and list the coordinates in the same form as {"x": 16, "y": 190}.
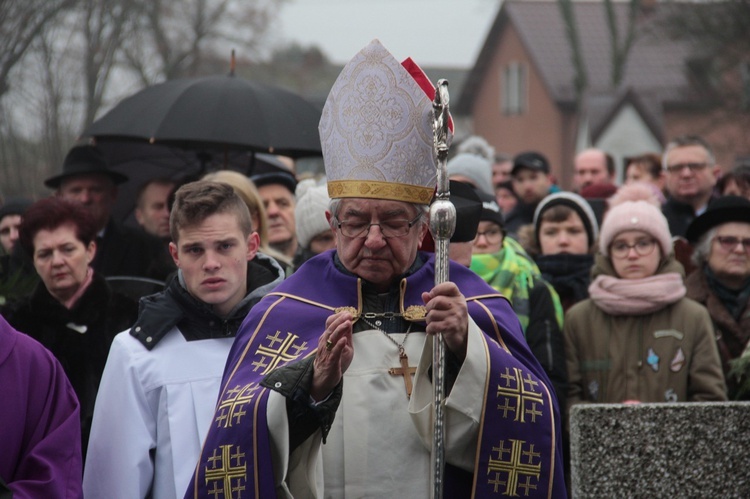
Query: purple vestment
{"x": 40, "y": 429}
{"x": 519, "y": 452}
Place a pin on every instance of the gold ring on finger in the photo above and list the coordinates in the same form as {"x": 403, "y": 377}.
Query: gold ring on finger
{"x": 329, "y": 345}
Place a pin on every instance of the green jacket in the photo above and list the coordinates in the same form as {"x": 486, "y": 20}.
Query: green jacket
{"x": 667, "y": 356}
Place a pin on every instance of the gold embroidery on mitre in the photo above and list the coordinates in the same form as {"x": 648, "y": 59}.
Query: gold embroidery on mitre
{"x": 415, "y": 312}
{"x": 379, "y": 190}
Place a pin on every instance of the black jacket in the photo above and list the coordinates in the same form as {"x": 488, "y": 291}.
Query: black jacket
{"x": 196, "y": 320}
{"x": 126, "y": 251}
{"x": 678, "y": 215}
{"x": 80, "y": 338}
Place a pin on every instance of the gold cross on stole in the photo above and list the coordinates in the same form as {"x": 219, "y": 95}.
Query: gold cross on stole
{"x": 404, "y": 371}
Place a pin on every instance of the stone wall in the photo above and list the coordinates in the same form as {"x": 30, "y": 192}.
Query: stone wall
{"x": 660, "y": 450}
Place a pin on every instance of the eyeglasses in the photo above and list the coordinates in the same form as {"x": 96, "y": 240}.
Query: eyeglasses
{"x": 693, "y": 167}
{"x": 621, "y": 249}
{"x": 390, "y": 228}
{"x": 729, "y": 243}
{"x": 493, "y": 236}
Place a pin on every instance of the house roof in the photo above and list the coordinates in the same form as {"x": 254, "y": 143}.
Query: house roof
{"x": 603, "y": 109}
{"x": 655, "y": 65}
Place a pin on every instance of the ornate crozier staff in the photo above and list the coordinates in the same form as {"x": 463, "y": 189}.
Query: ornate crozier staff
{"x": 442, "y": 225}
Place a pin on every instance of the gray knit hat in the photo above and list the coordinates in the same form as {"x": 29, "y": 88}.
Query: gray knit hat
{"x": 310, "y": 211}
{"x": 475, "y": 169}
{"x": 577, "y": 204}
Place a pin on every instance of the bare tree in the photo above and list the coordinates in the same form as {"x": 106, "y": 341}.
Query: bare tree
{"x": 20, "y": 24}
{"x": 81, "y": 56}
{"x": 178, "y": 41}
{"x": 620, "y": 48}
{"x": 103, "y": 23}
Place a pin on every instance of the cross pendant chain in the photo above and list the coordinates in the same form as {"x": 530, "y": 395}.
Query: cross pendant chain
{"x": 404, "y": 370}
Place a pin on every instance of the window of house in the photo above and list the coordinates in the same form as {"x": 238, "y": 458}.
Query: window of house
{"x": 513, "y": 89}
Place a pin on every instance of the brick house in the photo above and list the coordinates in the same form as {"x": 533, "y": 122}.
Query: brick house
{"x": 520, "y": 93}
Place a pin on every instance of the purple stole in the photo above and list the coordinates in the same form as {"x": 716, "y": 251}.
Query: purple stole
{"x": 520, "y": 451}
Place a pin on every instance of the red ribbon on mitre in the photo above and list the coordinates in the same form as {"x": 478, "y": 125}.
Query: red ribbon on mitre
{"x": 424, "y": 83}
{"x": 428, "y": 244}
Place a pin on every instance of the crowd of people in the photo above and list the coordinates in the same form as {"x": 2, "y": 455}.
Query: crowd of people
{"x": 271, "y": 336}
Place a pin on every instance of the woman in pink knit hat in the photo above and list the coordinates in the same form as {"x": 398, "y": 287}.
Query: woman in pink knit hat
{"x": 637, "y": 338}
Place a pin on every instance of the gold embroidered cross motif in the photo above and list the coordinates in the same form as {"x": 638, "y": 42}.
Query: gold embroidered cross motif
{"x": 519, "y": 396}
{"x": 404, "y": 371}
{"x": 227, "y": 471}
{"x": 270, "y": 355}
{"x": 521, "y": 467}
{"x": 232, "y": 407}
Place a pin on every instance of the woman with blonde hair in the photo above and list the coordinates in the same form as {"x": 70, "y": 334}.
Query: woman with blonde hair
{"x": 246, "y": 189}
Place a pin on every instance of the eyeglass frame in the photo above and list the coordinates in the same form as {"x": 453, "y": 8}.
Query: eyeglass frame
{"x": 366, "y": 231}
{"x": 499, "y": 230}
{"x": 694, "y": 167}
{"x": 623, "y": 256}
{"x": 744, "y": 241}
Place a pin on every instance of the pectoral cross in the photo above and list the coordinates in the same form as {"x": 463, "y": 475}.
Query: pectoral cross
{"x": 404, "y": 370}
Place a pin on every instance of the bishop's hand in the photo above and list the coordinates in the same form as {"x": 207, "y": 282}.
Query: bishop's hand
{"x": 447, "y": 313}
{"x": 334, "y": 355}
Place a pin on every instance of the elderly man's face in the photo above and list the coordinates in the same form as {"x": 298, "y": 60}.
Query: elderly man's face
{"x": 690, "y": 174}
{"x": 97, "y": 193}
{"x": 375, "y": 258}
{"x": 590, "y": 167}
{"x": 731, "y": 266}
{"x": 279, "y": 203}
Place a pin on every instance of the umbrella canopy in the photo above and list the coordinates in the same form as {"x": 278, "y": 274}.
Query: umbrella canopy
{"x": 141, "y": 161}
{"x": 215, "y": 112}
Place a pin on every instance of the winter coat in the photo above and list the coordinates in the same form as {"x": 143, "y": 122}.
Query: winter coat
{"x": 666, "y": 356}
{"x": 731, "y": 336}
{"x": 80, "y": 337}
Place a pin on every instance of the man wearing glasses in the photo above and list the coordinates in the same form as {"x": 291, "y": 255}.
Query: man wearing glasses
{"x": 691, "y": 174}
{"x": 350, "y": 334}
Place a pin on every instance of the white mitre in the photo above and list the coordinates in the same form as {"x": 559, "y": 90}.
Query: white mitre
{"x": 376, "y": 132}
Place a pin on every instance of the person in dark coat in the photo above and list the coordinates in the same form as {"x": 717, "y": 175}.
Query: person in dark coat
{"x": 721, "y": 280}
{"x": 122, "y": 250}
{"x": 691, "y": 174}
{"x": 72, "y": 311}
{"x": 562, "y": 240}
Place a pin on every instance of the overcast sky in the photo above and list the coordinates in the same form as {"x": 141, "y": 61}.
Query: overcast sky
{"x": 432, "y": 32}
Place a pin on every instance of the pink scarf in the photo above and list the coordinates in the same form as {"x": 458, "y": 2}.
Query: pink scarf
{"x": 79, "y": 292}
{"x": 636, "y": 296}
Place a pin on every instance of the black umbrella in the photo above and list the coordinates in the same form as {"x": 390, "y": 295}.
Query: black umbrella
{"x": 213, "y": 112}
{"x": 141, "y": 161}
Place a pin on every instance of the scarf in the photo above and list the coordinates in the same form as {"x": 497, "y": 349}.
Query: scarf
{"x": 636, "y": 296}
{"x": 735, "y": 300}
{"x": 513, "y": 273}
{"x": 570, "y": 275}
{"x": 81, "y": 289}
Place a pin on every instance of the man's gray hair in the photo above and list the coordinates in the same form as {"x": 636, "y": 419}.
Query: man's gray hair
{"x": 703, "y": 248}
{"x": 685, "y": 141}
